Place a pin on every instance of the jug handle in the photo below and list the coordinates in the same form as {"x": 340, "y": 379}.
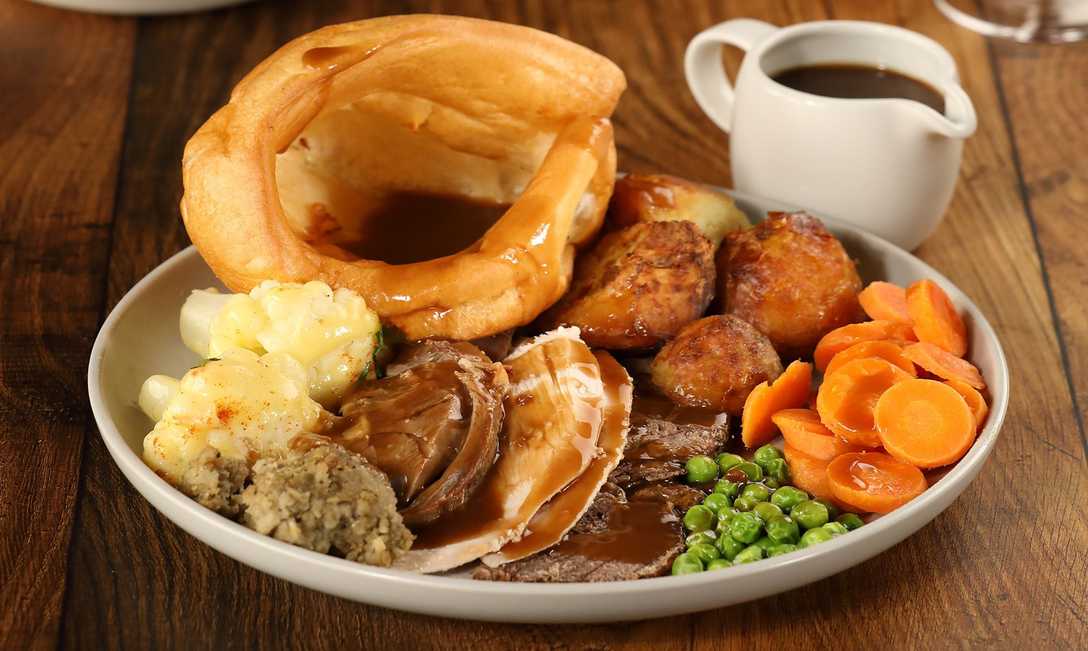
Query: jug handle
{"x": 704, "y": 70}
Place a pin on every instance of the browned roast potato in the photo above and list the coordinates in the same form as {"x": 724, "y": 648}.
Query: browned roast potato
{"x": 638, "y": 286}
{"x": 658, "y": 198}
{"x": 791, "y": 279}
{"x": 715, "y": 363}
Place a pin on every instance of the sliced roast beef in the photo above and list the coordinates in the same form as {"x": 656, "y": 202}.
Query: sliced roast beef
{"x": 616, "y": 540}
{"x": 657, "y": 449}
{"x": 431, "y": 425}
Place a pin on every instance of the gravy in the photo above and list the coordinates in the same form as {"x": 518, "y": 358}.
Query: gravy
{"x": 410, "y": 227}
{"x": 852, "y": 81}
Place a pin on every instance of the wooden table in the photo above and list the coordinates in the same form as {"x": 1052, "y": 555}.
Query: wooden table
{"x": 94, "y": 112}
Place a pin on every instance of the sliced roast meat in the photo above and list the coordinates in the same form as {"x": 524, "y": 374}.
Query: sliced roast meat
{"x": 616, "y": 540}
{"x": 563, "y": 511}
{"x": 657, "y": 449}
{"x": 555, "y": 412}
{"x": 680, "y": 497}
{"x": 497, "y": 346}
{"x": 431, "y": 425}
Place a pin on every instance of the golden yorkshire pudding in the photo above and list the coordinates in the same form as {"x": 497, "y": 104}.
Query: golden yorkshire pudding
{"x": 287, "y": 180}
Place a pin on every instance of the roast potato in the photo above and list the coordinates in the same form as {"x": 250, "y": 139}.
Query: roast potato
{"x": 715, "y": 363}
{"x": 657, "y": 198}
{"x": 638, "y": 286}
{"x": 791, "y": 279}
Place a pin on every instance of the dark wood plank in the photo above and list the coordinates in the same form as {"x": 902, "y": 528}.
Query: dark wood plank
{"x": 64, "y": 79}
{"x": 139, "y": 581}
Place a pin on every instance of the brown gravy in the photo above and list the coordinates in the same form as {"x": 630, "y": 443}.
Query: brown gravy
{"x": 411, "y": 227}
{"x": 638, "y": 533}
{"x": 851, "y": 81}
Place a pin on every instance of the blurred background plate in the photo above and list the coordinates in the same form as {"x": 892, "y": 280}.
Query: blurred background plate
{"x": 140, "y": 7}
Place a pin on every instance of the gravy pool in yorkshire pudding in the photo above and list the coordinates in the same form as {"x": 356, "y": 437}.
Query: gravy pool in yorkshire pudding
{"x": 280, "y": 182}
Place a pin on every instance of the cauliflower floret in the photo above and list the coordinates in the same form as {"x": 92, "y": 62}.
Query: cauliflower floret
{"x": 331, "y": 333}
{"x": 235, "y": 409}
{"x": 326, "y": 498}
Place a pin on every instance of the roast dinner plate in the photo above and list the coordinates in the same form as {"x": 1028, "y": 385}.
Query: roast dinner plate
{"x": 140, "y": 338}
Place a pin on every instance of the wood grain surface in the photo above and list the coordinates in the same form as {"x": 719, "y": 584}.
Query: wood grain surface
{"x": 94, "y": 117}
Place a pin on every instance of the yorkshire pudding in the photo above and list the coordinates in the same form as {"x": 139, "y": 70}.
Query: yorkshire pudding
{"x": 322, "y": 132}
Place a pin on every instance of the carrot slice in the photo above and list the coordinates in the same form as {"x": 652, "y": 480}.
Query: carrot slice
{"x": 979, "y": 408}
{"x": 943, "y": 364}
{"x": 888, "y": 351}
{"x": 884, "y": 302}
{"x": 848, "y": 396}
{"x": 805, "y": 433}
{"x": 936, "y": 320}
{"x": 842, "y": 338}
{"x": 925, "y": 423}
{"x": 808, "y": 473}
{"x": 789, "y": 390}
{"x": 873, "y": 481}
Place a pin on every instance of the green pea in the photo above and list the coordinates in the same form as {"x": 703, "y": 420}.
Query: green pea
{"x": 771, "y": 482}
{"x": 778, "y": 550}
{"x": 832, "y": 510}
{"x": 764, "y": 543}
{"x": 698, "y": 518}
{"x": 707, "y": 537}
{"x": 777, "y": 470}
{"x": 788, "y": 497}
{"x": 728, "y": 488}
{"x": 686, "y": 564}
{"x": 704, "y": 552}
{"x": 746, "y": 527}
{"x": 814, "y": 536}
{"x": 748, "y": 555}
{"x": 701, "y": 469}
{"x": 727, "y": 461}
{"x": 718, "y": 564}
{"x": 716, "y": 502}
{"x": 729, "y": 546}
{"x": 751, "y": 470}
{"x": 850, "y": 520}
{"x": 835, "y": 528}
{"x": 744, "y": 504}
{"x": 766, "y": 511}
{"x": 809, "y": 514}
{"x": 756, "y": 492}
{"x": 765, "y": 454}
{"x": 782, "y": 530}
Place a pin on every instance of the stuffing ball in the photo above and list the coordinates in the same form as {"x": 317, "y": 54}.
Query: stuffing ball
{"x": 326, "y": 498}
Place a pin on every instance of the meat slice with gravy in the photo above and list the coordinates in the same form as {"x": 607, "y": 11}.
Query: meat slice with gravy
{"x": 431, "y": 425}
{"x": 554, "y": 414}
{"x": 563, "y": 511}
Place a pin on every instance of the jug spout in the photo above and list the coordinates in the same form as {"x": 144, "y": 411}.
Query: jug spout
{"x": 959, "y": 120}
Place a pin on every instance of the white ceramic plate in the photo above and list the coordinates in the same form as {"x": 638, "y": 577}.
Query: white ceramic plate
{"x": 140, "y": 338}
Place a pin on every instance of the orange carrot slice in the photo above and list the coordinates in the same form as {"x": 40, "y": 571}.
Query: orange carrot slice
{"x": 808, "y": 473}
{"x": 805, "y": 433}
{"x": 943, "y": 364}
{"x": 979, "y": 408}
{"x": 925, "y": 423}
{"x": 873, "y": 481}
{"x": 842, "y": 338}
{"x": 789, "y": 390}
{"x": 884, "y": 302}
{"x": 848, "y": 397}
{"x": 936, "y": 320}
{"x": 888, "y": 351}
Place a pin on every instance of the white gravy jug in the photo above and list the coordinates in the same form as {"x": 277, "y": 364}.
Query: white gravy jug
{"x": 887, "y": 165}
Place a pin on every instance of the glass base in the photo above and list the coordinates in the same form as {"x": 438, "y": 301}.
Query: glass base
{"x": 1024, "y": 21}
